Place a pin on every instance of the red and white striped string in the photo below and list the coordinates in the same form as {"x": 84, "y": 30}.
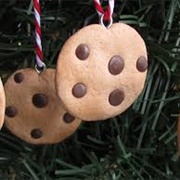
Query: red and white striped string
{"x": 105, "y": 14}
{"x": 38, "y": 47}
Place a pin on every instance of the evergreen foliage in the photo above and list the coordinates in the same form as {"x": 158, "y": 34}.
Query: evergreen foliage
{"x": 139, "y": 144}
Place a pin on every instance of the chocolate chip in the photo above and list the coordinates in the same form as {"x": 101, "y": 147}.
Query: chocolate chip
{"x": 79, "y": 90}
{"x": 68, "y": 118}
{"x": 40, "y": 100}
{"x": 142, "y": 64}
{"x": 116, "y": 97}
{"x": 82, "y": 51}
{"x": 116, "y": 65}
{"x": 10, "y": 111}
{"x": 36, "y": 133}
{"x": 18, "y": 77}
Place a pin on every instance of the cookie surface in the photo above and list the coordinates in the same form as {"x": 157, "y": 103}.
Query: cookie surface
{"x": 33, "y": 112}
{"x": 101, "y": 72}
{"x": 2, "y": 104}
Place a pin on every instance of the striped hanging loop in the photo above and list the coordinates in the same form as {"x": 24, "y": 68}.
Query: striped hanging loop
{"x": 40, "y": 66}
{"x": 105, "y": 14}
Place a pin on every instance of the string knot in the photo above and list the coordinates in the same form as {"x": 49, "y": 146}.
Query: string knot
{"x": 105, "y": 13}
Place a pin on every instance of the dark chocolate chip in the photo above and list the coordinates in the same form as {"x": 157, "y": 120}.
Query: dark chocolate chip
{"x": 116, "y": 97}
{"x": 36, "y": 133}
{"x": 116, "y": 65}
{"x": 79, "y": 90}
{"x": 142, "y": 64}
{"x": 82, "y": 51}
{"x": 18, "y": 77}
{"x": 40, "y": 100}
{"x": 10, "y": 111}
{"x": 68, "y": 118}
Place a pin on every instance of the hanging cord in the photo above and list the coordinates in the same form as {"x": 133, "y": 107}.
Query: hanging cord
{"x": 40, "y": 66}
{"x": 105, "y": 15}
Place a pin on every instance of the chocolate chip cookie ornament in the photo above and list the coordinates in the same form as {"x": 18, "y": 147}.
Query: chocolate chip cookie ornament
{"x": 2, "y": 104}
{"x": 33, "y": 112}
{"x": 101, "y": 71}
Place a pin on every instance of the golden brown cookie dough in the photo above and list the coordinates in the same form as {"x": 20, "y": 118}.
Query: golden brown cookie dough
{"x": 101, "y": 72}
{"x": 2, "y": 104}
{"x": 33, "y": 111}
